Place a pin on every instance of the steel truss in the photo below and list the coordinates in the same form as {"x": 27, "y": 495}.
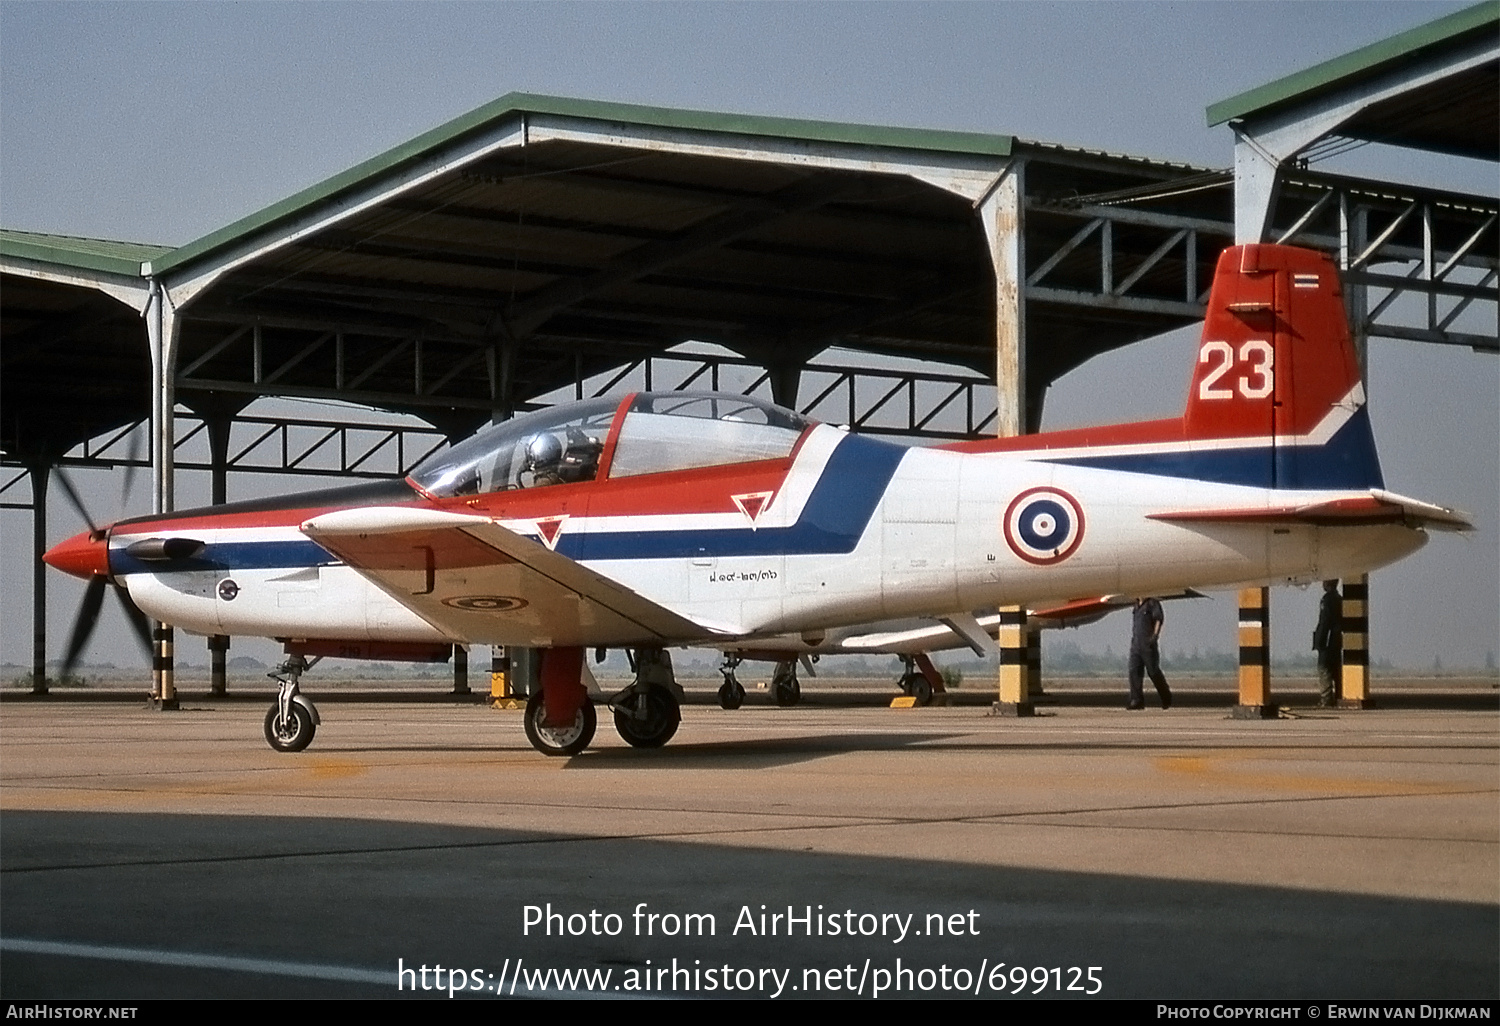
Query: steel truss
{"x": 869, "y": 400}
{"x": 1438, "y": 251}
{"x": 1090, "y": 270}
{"x": 270, "y": 445}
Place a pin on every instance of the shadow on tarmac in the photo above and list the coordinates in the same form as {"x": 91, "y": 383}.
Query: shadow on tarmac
{"x": 362, "y": 894}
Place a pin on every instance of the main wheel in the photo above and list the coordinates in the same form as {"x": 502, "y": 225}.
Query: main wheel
{"x": 291, "y": 734}
{"x": 787, "y": 690}
{"x": 657, "y": 726}
{"x": 569, "y": 740}
{"x": 921, "y": 690}
{"x": 731, "y": 694}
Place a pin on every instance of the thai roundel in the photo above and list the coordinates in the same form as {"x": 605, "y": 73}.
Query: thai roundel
{"x": 1043, "y": 525}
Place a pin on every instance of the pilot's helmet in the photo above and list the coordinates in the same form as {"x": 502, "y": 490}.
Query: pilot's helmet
{"x": 543, "y": 452}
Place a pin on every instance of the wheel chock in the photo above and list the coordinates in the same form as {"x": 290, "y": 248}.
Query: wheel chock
{"x": 904, "y": 702}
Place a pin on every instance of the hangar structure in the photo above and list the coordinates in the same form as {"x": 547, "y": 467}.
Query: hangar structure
{"x": 897, "y": 280}
{"x": 1435, "y": 88}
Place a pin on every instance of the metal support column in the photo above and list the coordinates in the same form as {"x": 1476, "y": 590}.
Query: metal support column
{"x": 1354, "y": 692}
{"x": 218, "y": 428}
{"x": 1015, "y": 695}
{"x": 1354, "y": 684}
{"x": 1004, "y": 227}
{"x": 525, "y": 666}
{"x": 218, "y": 664}
{"x": 785, "y": 379}
{"x": 39, "y": 472}
{"x": 164, "y": 689}
{"x": 1255, "y": 656}
{"x": 162, "y": 330}
{"x": 460, "y": 670}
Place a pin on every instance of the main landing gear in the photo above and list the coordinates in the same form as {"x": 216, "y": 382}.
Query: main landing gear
{"x": 292, "y": 720}
{"x": 647, "y": 713}
{"x": 731, "y": 692}
{"x": 566, "y": 740}
{"x": 785, "y": 687}
{"x": 914, "y": 682}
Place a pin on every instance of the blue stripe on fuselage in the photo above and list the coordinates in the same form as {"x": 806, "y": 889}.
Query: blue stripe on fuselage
{"x": 834, "y": 519}
{"x": 227, "y": 556}
{"x": 1345, "y": 461}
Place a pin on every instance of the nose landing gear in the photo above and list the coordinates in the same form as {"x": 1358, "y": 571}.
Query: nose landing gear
{"x": 292, "y": 720}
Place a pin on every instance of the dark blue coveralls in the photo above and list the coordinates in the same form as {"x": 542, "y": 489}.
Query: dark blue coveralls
{"x": 1145, "y": 658}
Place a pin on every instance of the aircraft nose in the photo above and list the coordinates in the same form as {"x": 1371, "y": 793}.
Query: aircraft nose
{"x": 84, "y": 555}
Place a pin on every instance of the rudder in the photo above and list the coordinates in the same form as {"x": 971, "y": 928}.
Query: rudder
{"x": 1276, "y": 365}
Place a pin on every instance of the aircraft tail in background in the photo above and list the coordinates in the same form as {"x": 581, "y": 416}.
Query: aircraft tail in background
{"x": 1277, "y": 378}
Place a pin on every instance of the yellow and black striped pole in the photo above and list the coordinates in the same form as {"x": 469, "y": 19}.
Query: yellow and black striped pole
{"x": 1354, "y": 692}
{"x": 163, "y": 687}
{"x": 1255, "y": 656}
{"x": 1015, "y": 692}
{"x": 1034, "y": 662}
{"x": 218, "y": 674}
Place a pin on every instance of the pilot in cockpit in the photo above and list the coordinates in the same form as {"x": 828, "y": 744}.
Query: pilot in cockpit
{"x": 548, "y": 462}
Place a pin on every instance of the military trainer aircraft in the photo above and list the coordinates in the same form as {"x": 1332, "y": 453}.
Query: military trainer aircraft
{"x": 679, "y": 519}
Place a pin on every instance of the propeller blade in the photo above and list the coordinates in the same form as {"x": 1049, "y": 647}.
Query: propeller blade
{"x": 132, "y": 454}
{"x": 83, "y": 623}
{"x": 72, "y": 494}
{"x": 139, "y": 622}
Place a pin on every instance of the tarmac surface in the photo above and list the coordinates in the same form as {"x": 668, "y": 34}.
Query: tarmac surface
{"x": 930, "y": 852}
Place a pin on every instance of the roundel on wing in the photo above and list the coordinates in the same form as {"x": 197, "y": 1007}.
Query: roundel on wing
{"x": 485, "y": 603}
{"x": 1043, "y": 525}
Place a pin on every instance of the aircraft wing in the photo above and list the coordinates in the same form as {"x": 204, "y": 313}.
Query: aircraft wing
{"x": 479, "y": 582}
{"x": 1376, "y": 508}
{"x": 945, "y": 634}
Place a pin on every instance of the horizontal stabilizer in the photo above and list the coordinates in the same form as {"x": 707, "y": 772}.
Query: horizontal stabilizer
{"x": 1378, "y": 507}
{"x": 480, "y": 582}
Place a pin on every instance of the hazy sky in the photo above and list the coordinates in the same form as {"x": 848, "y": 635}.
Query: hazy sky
{"x": 159, "y": 122}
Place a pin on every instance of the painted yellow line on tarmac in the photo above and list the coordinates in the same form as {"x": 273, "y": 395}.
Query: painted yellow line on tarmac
{"x": 1220, "y": 768}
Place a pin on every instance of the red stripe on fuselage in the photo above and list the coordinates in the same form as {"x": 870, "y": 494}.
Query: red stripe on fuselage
{"x": 1145, "y": 433}
{"x": 702, "y": 490}
{"x": 292, "y": 515}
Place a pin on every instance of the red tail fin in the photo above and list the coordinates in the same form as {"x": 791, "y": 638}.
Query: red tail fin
{"x": 1275, "y": 356}
{"x": 1276, "y": 363}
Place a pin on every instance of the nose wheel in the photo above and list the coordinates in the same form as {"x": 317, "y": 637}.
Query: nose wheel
{"x": 292, "y": 720}
{"x": 291, "y": 732}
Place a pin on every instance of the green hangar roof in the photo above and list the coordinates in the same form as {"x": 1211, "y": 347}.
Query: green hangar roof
{"x": 515, "y": 105}
{"x": 1456, "y": 113}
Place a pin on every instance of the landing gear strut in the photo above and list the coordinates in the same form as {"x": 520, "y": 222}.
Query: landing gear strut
{"x": 914, "y": 682}
{"x": 731, "y": 692}
{"x": 648, "y": 712}
{"x": 292, "y": 720}
{"x": 785, "y": 687}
